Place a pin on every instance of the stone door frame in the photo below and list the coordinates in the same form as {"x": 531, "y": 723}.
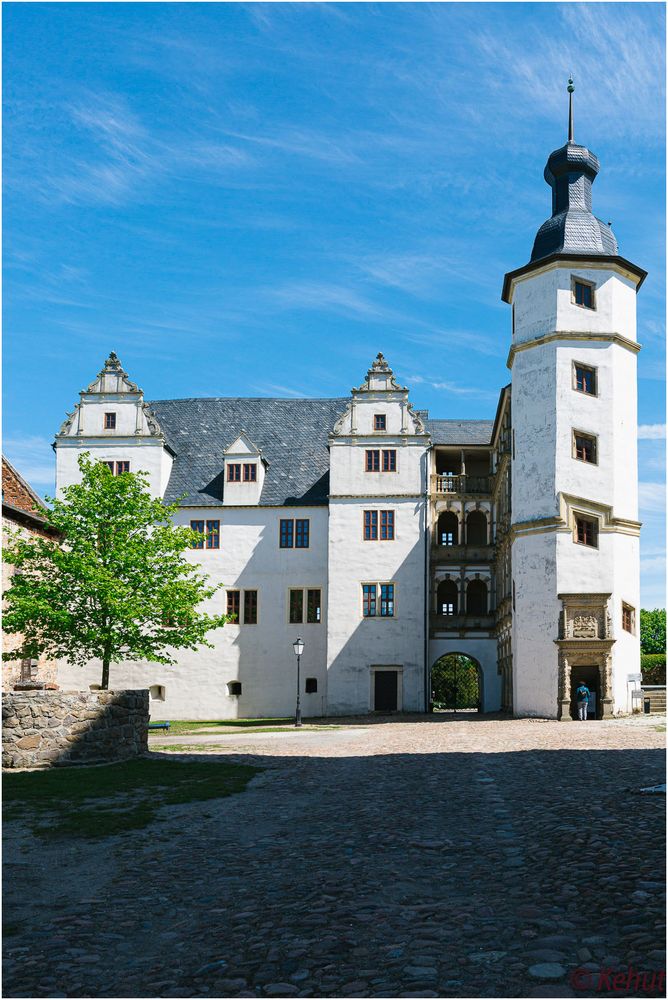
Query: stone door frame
{"x": 585, "y": 653}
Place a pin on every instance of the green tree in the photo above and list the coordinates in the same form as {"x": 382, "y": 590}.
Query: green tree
{"x": 115, "y": 586}
{"x": 653, "y": 630}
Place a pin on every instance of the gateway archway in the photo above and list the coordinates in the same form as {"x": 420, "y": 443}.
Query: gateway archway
{"x": 456, "y": 683}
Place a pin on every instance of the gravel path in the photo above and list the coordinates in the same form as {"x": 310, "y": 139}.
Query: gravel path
{"x": 407, "y": 858}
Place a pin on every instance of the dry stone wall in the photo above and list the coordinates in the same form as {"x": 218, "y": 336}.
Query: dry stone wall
{"x": 47, "y": 728}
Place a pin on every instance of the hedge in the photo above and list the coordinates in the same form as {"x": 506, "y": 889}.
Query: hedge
{"x": 653, "y": 668}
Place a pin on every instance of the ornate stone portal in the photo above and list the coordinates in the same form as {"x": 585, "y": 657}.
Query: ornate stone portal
{"x": 585, "y": 640}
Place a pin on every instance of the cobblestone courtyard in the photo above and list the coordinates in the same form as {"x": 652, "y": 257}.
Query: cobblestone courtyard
{"x": 439, "y": 857}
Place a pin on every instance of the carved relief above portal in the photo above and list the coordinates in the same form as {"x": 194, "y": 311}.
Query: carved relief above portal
{"x": 584, "y": 616}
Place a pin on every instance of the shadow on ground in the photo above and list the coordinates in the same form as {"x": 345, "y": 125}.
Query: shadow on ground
{"x": 401, "y": 874}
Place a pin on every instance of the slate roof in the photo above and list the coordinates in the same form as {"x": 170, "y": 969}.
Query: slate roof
{"x": 573, "y": 228}
{"x": 460, "y": 431}
{"x": 291, "y": 434}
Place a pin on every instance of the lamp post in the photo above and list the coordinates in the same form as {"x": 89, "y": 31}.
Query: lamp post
{"x": 298, "y": 646}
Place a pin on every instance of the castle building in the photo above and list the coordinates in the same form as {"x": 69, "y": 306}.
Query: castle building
{"x": 388, "y": 539}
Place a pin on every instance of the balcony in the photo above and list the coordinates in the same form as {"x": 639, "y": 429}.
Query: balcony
{"x": 458, "y": 623}
{"x": 448, "y": 485}
{"x": 462, "y": 553}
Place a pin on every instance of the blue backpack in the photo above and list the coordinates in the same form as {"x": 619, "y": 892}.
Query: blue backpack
{"x": 583, "y": 693}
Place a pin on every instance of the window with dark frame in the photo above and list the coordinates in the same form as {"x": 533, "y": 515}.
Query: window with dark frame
{"x": 369, "y": 600}
{"x": 372, "y": 463}
{"x": 586, "y": 530}
{"x": 370, "y": 525}
{"x": 233, "y": 604}
{"x": 447, "y": 538}
{"x": 110, "y": 421}
{"x": 302, "y": 533}
{"x": 296, "y": 612}
{"x": 387, "y": 600}
{"x": 250, "y": 472}
{"x": 387, "y": 525}
{"x": 213, "y": 534}
{"x": 585, "y": 447}
{"x": 390, "y": 461}
{"x": 234, "y": 473}
{"x": 583, "y": 294}
{"x": 110, "y": 465}
{"x": 311, "y": 685}
{"x": 286, "y": 533}
{"x": 628, "y": 618}
{"x": 585, "y": 379}
{"x": 250, "y": 607}
{"x": 122, "y": 467}
{"x": 198, "y": 526}
{"x": 313, "y": 607}
{"x": 234, "y": 688}
{"x": 379, "y": 422}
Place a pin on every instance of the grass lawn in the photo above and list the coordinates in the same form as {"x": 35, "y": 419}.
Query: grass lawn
{"x": 101, "y": 801}
{"x": 184, "y": 727}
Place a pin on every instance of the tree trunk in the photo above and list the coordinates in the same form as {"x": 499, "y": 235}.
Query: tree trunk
{"x": 105, "y": 674}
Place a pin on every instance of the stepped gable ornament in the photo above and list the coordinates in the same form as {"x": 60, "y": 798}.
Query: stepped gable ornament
{"x": 113, "y": 367}
{"x": 67, "y": 422}
{"x": 380, "y": 368}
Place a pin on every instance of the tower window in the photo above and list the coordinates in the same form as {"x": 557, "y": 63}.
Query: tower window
{"x": 628, "y": 618}
{"x": 379, "y": 422}
{"x": 110, "y": 421}
{"x": 586, "y": 531}
{"x": 584, "y": 447}
{"x": 583, "y": 294}
{"x": 584, "y": 379}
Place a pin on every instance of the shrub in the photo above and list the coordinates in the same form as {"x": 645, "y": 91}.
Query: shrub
{"x": 653, "y": 668}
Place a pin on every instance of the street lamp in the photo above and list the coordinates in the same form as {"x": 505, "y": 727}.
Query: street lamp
{"x": 298, "y": 646}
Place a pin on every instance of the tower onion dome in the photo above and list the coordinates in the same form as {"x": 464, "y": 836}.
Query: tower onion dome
{"x": 573, "y": 228}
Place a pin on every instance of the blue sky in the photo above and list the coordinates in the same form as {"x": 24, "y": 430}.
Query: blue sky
{"x": 255, "y": 199}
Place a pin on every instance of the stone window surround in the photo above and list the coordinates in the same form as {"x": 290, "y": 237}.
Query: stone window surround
{"x": 590, "y": 368}
{"x": 378, "y": 584}
{"x": 305, "y": 589}
{"x": 575, "y": 434}
{"x": 575, "y": 280}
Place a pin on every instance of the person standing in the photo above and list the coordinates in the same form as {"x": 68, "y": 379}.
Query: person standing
{"x": 582, "y": 697}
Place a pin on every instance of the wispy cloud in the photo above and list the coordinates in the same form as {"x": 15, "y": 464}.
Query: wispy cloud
{"x": 650, "y": 432}
{"x": 652, "y": 496}
{"x": 326, "y": 297}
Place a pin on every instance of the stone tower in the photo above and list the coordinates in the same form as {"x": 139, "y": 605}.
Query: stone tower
{"x": 575, "y": 529}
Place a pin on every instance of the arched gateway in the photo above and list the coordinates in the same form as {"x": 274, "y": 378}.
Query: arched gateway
{"x": 456, "y": 683}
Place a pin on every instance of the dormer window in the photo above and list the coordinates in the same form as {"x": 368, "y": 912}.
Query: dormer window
{"x": 250, "y": 472}
{"x": 380, "y": 422}
{"x": 234, "y": 472}
{"x": 110, "y": 421}
{"x": 583, "y": 294}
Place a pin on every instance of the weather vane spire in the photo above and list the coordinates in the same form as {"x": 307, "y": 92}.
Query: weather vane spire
{"x": 570, "y": 88}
